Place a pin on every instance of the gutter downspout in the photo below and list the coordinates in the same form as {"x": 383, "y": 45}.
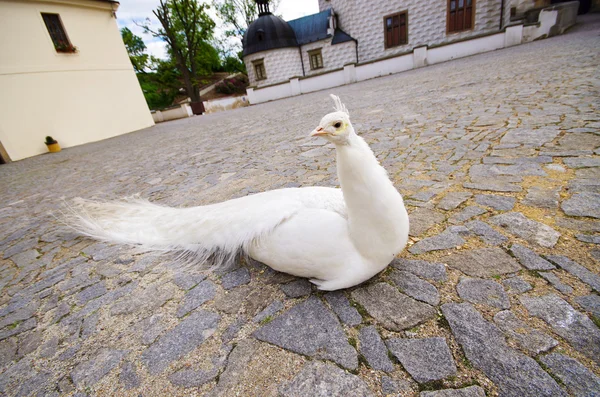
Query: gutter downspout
{"x": 356, "y": 48}
{"x": 301, "y": 60}
{"x": 501, "y": 14}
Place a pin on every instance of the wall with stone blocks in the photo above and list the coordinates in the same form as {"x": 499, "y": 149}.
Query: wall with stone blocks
{"x": 363, "y": 20}
{"x": 334, "y": 56}
{"x": 421, "y": 56}
{"x": 280, "y": 65}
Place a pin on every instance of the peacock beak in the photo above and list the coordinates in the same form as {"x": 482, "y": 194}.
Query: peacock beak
{"x": 318, "y": 131}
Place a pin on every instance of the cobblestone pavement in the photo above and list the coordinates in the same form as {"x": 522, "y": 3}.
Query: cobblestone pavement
{"x": 498, "y": 158}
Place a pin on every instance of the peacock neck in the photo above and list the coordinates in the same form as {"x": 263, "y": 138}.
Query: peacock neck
{"x": 377, "y": 218}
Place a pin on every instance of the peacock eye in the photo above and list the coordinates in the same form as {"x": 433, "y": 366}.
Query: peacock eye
{"x": 337, "y": 125}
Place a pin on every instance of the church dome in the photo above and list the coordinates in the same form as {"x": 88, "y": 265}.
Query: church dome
{"x": 268, "y": 32}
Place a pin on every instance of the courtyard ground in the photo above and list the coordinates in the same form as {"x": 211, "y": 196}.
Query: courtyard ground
{"x": 498, "y": 159}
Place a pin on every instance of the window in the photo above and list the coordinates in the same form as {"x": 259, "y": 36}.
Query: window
{"x": 259, "y": 69}
{"x": 460, "y": 15}
{"x": 57, "y": 33}
{"x": 395, "y": 28}
{"x": 316, "y": 59}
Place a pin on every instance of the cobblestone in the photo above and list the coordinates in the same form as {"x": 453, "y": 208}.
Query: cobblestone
{"x": 530, "y": 230}
{"x": 513, "y": 132}
{"x": 516, "y": 285}
{"x": 426, "y": 359}
{"x": 414, "y": 287}
{"x": 530, "y": 259}
{"x": 341, "y": 306}
{"x": 294, "y": 330}
{"x": 526, "y": 337}
{"x": 483, "y": 292}
{"x": 574, "y": 326}
{"x": 382, "y": 300}
{"x": 374, "y": 350}
{"x": 483, "y": 262}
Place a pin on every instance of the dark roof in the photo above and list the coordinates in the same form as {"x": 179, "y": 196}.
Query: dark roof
{"x": 268, "y": 32}
{"x": 311, "y": 27}
{"x": 340, "y": 37}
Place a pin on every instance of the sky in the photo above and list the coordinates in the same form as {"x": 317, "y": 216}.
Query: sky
{"x": 139, "y": 10}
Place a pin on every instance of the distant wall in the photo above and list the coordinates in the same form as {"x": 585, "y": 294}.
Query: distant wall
{"x": 182, "y": 111}
{"x": 219, "y": 105}
{"x": 211, "y": 106}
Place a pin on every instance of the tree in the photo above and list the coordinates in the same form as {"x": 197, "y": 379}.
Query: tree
{"x": 161, "y": 84}
{"x": 136, "y": 49}
{"x": 232, "y": 64}
{"x": 187, "y": 29}
{"x": 237, "y": 15}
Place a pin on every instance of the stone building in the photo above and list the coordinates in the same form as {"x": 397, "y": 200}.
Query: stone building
{"x": 276, "y": 50}
{"x": 354, "y": 40}
{"x": 354, "y": 31}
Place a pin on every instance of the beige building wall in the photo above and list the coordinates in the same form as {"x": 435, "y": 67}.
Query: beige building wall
{"x": 76, "y": 98}
{"x": 363, "y": 20}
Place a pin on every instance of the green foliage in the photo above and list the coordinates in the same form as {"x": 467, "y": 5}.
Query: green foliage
{"x": 233, "y": 64}
{"x": 237, "y": 15}
{"x": 188, "y": 30}
{"x": 443, "y": 322}
{"x": 50, "y": 140}
{"x": 266, "y": 320}
{"x": 161, "y": 86}
{"x": 136, "y": 49}
{"x": 431, "y": 386}
{"x": 14, "y": 325}
{"x": 236, "y": 85}
{"x": 352, "y": 342}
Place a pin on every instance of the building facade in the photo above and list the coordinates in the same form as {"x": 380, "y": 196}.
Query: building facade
{"x": 385, "y": 28}
{"x": 64, "y": 72}
{"x": 275, "y": 50}
{"x": 359, "y": 32}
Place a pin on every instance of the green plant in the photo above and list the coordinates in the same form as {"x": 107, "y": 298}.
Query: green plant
{"x": 65, "y": 47}
{"x": 431, "y": 386}
{"x": 50, "y": 140}
{"x": 234, "y": 85}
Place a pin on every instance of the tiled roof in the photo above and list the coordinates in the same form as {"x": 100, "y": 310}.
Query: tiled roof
{"x": 340, "y": 37}
{"x": 311, "y": 27}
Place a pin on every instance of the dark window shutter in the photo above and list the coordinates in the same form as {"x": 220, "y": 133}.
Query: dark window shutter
{"x": 395, "y": 30}
{"x": 56, "y": 31}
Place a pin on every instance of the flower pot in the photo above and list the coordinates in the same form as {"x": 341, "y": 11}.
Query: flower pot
{"x": 53, "y": 147}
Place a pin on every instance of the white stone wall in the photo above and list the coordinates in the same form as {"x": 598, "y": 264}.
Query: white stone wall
{"x": 280, "y": 65}
{"x": 521, "y": 5}
{"x": 334, "y": 56}
{"x": 363, "y": 20}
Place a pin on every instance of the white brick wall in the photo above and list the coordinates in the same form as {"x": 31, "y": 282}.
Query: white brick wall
{"x": 280, "y": 65}
{"x": 521, "y": 5}
{"x": 363, "y": 20}
{"x": 334, "y": 56}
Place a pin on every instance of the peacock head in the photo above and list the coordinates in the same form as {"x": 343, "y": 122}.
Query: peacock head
{"x": 336, "y": 126}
